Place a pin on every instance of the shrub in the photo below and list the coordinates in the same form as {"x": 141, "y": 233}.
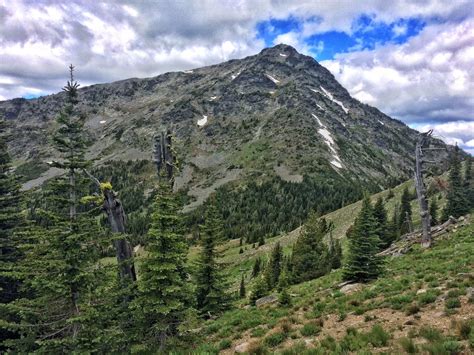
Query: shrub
{"x": 430, "y": 334}
{"x": 408, "y": 345}
{"x": 378, "y": 337}
{"x": 451, "y": 303}
{"x": 274, "y": 339}
{"x": 225, "y": 344}
{"x": 297, "y": 349}
{"x": 310, "y": 329}
{"x": 258, "y": 332}
{"x": 426, "y": 298}
{"x": 412, "y": 309}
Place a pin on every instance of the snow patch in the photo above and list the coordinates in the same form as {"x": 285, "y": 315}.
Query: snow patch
{"x": 202, "y": 121}
{"x": 276, "y": 81}
{"x": 188, "y": 71}
{"x": 213, "y": 98}
{"x": 336, "y": 161}
{"x": 319, "y": 106}
{"x": 383, "y": 124}
{"x": 330, "y": 97}
{"x": 236, "y": 75}
{"x": 283, "y": 55}
{"x": 102, "y": 122}
{"x": 271, "y": 92}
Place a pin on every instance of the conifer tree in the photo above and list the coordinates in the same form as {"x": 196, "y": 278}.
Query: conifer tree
{"x": 405, "y": 216}
{"x": 335, "y": 252}
{"x": 259, "y": 289}
{"x": 61, "y": 252}
{"x": 457, "y": 204}
{"x": 273, "y": 269}
{"x": 434, "y": 211}
{"x": 256, "y": 267}
{"x": 362, "y": 263}
{"x": 469, "y": 182}
{"x": 242, "y": 287}
{"x": 10, "y": 219}
{"x": 380, "y": 215}
{"x": 310, "y": 254}
{"x": 211, "y": 298}
{"x": 163, "y": 291}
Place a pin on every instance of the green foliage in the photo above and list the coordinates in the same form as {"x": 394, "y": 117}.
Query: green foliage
{"x": 284, "y": 298}
{"x": 363, "y": 264}
{"x": 10, "y": 219}
{"x": 382, "y": 229}
{"x": 275, "y": 206}
{"x": 405, "y": 217}
{"x": 310, "y": 329}
{"x": 433, "y": 209}
{"x": 274, "y": 339}
{"x": 256, "y": 267}
{"x": 210, "y": 283}
{"x": 259, "y": 289}
{"x": 242, "y": 288}
{"x": 163, "y": 299}
{"x": 274, "y": 265}
{"x": 457, "y": 204}
{"x": 310, "y": 257}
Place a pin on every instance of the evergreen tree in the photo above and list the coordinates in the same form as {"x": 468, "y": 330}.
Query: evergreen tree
{"x": 405, "y": 216}
{"x": 457, "y": 204}
{"x": 273, "y": 269}
{"x": 362, "y": 263}
{"x": 163, "y": 292}
{"x": 335, "y": 252}
{"x": 310, "y": 254}
{"x": 284, "y": 298}
{"x": 393, "y": 230}
{"x": 259, "y": 289}
{"x": 10, "y": 219}
{"x": 60, "y": 267}
{"x": 256, "y": 267}
{"x": 434, "y": 211}
{"x": 469, "y": 182}
{"x": 380, "y": 215}
{"x": 261, "y": 241}
{"x": 210, "y": 284}
{"x": 242, "y": 287}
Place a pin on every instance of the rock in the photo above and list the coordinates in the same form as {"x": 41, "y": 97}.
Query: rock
{"x": 419, "y": 292}
{"x": 242, "y": 348}
{"x": 266, "y": 300}
{"x": 470, "y": 292}
{"x": 409, "y": 322}
{"x": 308, "y": 341}
{"x": 351, "y": 288}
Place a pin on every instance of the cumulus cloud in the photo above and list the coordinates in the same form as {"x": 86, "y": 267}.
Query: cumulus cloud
{"x": 429, "y": 78}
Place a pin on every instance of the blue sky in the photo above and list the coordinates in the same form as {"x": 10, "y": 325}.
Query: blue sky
{"x": 412, "y": 59}
{"x": 367, "y": 33}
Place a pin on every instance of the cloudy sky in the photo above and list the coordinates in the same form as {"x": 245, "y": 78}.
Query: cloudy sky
{"x": 414, "y": 60}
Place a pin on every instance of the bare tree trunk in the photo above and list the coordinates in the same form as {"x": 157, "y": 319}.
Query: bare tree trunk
{"x": 421, "y": 191}
{"x": 164, "y": 154}
{"x": 117, "y": 219}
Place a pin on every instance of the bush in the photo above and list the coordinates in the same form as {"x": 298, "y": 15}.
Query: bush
{"x": 274, "y": 339}
{"x": 408, "y": 345}
{"x": 430, "y": 334}
{"x": 426, "y": 298}
{"x": 225, "y": 344}
{"x": 452, "y": 303}
{"x": 378, "y": 337}
{"x": 310, "y": 329}
{"x": 258, "y": 332}
{"x": 412, "y": 309}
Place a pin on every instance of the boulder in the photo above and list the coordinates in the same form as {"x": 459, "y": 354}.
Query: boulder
{"x": 242, "y": 348}
{"x": 266, "y": 300}
{"x": 351, "y": 288}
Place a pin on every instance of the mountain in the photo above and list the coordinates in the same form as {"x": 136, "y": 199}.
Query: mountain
{"x": 277, "y": 118}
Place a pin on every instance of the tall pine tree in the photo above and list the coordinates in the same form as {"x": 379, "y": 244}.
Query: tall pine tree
{"x": 59, "y": 270}
{"x": 310, "y": 254}
{"x": 211, "y": 298}
{"x": 274, "y": 266}
{"x": 362, "y": 263}
{"x": 469, "y": 182}
{"x": 10, "y": 219}
{"x": 380, "y": 215}
{"x": 457, "y": 204}
{"x": 164, "y": 296}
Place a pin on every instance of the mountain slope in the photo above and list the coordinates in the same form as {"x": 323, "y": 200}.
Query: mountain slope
{"x": 275, "y": 114}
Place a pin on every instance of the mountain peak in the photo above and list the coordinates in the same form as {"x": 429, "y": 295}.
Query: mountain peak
{"x": 280, "y": 48}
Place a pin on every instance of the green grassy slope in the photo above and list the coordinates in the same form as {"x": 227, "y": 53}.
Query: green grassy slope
{"x": 419, "y": 305}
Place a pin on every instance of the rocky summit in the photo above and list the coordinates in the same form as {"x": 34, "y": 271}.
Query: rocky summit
{"x": 277, "y": 113}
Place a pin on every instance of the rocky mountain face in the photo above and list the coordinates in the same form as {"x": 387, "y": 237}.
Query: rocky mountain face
{"x": 277, "y": 113}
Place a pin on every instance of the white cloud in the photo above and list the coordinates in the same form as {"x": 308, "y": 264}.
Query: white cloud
{"x": 429, "y": 78}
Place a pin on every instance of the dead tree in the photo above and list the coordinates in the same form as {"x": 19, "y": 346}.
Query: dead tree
{"x": 421, "y": 190}
{"x": 163, "y": 154}
{"x": 117, "y": 218}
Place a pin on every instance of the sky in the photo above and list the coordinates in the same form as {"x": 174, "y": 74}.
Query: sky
{"x": 414, "y": 60}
